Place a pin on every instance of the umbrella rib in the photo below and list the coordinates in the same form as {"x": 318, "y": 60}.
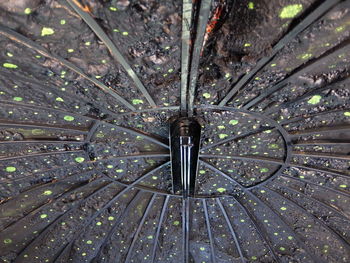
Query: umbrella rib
{"x": 312, "y": 17}
{"x": 131, "y": 204}
{"x": 36, "y": 186}
{"x": 39, "y": 155}
{"x": 31, "y": 44}
{"x": 321, "y": 222}
{"x": 319, "y": 130}
{"x": 129, "y": 130}
{"x": 145, "y": 214}
{"x": 43, "y": 126}
{"x": 44, "y": 171}
{"x": 332, "y": 142}
{"x": 105, "y": 206}
{"x": 263, "y": 236}
{"x": 134, "y": 132}
{"x": 211, "y": 241}
{"x": 326, "y": 206}
{"x": 133, "y": 156}
{"x": 50, "y": 201}
{"x": 46, "y": 229}
{"x": 320, "y": 155}
{"x": 186, "y": 228}
{"x": 319, "y": 170}
{"x": 33, "y": 106}
{"x": 236, "y": 137}
{"x": 332, "y": 86}
{"x": 204, "y": 13}
{"x": 44, "y": 87}
{"x": 115, "y": 225}
{"x": 65, "y": 249}
{"x": 211, "y": 167}
{"x": 304, "y": 117}
{"x": 299, "y": 71}
{"x": 166, "y": 200}
{"x": 243, "y": 158}
{"x": 315, "y": 184}
{"x": 300, "y": 243}
{"x": 231, "y": 230}
{"x": 185, "y": 52}
{"x": 42, "y": 142}
{"x": 94, "y": 216}
{"x": 175, "y": 108}
{"x": 90, "y": 21}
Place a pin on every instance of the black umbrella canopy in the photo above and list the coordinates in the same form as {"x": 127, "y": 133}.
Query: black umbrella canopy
{"x": 88, "y": 90}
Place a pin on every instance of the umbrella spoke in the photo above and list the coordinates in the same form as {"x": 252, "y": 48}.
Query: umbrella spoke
{"x": 321, "y": 155}
{"x": 334, "y": 210}
{"x": 312, "y": 17}
{"x": 31, "y": 44}
{"x": 165, "y": 204}
{"x": 186, "y": 228}
{"x": 243, "y": 158}
{"x": 319, "y": 170}
{"x": 321, "y": 222}
{"x": 185, "y": 51}
{"x": 231, "y": 230}
{"x": 136, "y": 234}
{"x": 49, "y": 201}
{"x": 204, "y": 12}
{"x": 45, "y": 87}
{"x": 106, "y": 206}
{"x": 261, "y": 232}
{"x": 301, "y": 243}
{"x": 40, "y": 155}
{"x": 41, "y": 126}
{"x": 130, "y": 205}
{"x": 236, "y": 137}
{"x": 319, "y": 130}
{"x": 54, "y": 222}
{"x": 211, "y": 167}
{"x": 300, "y": 71}
{"x": 212, "y": 250}
{"x": 90, "y": 21}
{"x": 318, "y": 185}
{"x": 334, "y": 85}
{"x": 332, "y": 142}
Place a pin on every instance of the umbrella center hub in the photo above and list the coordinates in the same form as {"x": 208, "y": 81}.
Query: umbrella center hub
{"x": 184, "y": 142}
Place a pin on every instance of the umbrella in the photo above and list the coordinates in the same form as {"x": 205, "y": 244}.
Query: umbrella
{"x": 174, "y": 131}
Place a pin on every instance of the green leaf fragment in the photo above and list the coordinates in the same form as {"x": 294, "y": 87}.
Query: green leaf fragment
{"x": 137, "y": 101}
{"x": 17, "y": 98}
{"x": 79, "y": 159}
{"x": 221, "y": 189}
{"x": 223, "y": 135}
{"x": 68, "y": 118}
{"x": 9, "y": 65}
{"x": 27, "y": 11}
{"x": 290, "y": 11}
{"x": 314, "y": 99}
{"x": 206, "y": 95}
{"x": 233, "y": 122}
{"x": 46, "y": 31}
{"x": 10, "y": 169}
